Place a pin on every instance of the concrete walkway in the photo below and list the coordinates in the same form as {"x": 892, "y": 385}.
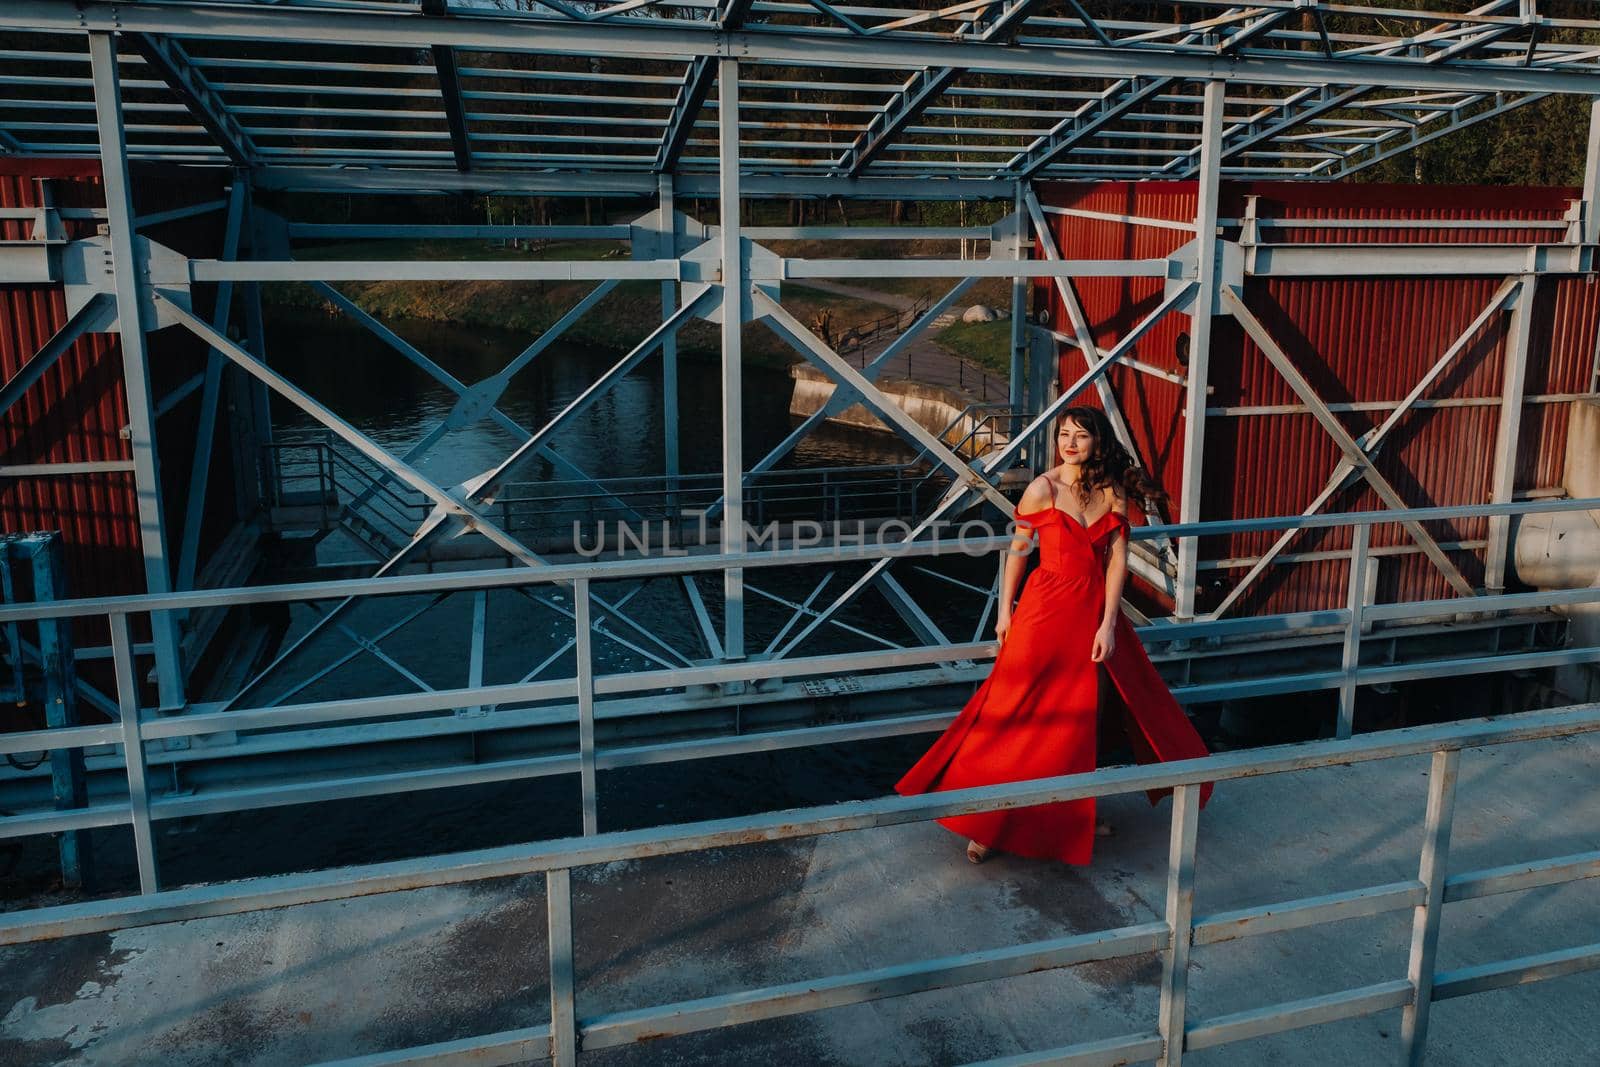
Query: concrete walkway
{"x": 923, "y": 361}
{"x": 342, "y": 979}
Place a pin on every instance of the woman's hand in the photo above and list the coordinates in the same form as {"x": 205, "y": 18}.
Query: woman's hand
{"x": 1105, "y": 642}
{"x": 1002, "y": 626}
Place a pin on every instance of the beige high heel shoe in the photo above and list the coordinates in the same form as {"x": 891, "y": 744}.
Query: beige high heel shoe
{"x": 977, "y": 853}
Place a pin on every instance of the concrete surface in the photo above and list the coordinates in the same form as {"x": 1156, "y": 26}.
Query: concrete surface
{"x": 936, "y": 408}
{"x": 347, "y": 978}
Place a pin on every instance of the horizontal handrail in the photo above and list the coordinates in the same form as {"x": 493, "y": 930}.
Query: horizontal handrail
{"x": 279, "y": 891}
{"x": 499, "y": 578}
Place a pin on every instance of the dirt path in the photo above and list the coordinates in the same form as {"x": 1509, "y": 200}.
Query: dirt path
{"x": 893, "y": 300}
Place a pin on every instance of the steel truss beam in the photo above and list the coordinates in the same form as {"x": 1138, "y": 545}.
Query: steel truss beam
{"x": 210, "y": 398}
{"x": 1456, "y": 121}
{"x": 1302, "y": 106}
{"x": 129, "y": 285}
{"x": 619, "y": 182}
{"x": 1086, "y": 122}
{"x": 695, "y": 89}
{"x": 924, "y": 87}
{"x": 169, "y": 60}
{"x": 679, "y": 41}
{"x": 444, "y": 65}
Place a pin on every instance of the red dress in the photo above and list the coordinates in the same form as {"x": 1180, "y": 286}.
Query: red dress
{"x": 1036, "y": 714}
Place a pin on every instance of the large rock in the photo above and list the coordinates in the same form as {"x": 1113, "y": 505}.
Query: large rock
{"x": 980, "y": 313}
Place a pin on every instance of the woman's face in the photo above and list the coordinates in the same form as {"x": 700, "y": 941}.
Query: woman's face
{"x": 1075, "y": 441}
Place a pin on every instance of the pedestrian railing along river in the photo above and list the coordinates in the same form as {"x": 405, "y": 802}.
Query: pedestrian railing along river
{"x": 314, "y": 469}
{"x": 579, "y": 699}
{"x": 1175, "y": 936}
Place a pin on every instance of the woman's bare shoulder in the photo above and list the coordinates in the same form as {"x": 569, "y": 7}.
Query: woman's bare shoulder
{"x": 1039, "y": 495}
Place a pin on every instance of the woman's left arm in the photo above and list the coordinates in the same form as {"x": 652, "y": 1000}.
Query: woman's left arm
{"x": 1105, "y": 638}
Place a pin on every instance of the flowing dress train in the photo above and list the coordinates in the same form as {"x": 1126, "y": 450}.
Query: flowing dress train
{"x": 1036, "y": 714}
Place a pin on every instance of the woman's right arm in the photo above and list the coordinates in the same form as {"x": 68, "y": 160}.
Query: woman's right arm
{"x": 1036, "y": 498}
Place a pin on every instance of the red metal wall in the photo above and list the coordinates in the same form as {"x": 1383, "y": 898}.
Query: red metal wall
{"x": 1357, "y": 340}
{"x": 77, "y": 411}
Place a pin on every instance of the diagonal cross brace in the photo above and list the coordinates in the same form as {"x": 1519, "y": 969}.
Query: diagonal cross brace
{"x": 920, "y": 90}
{"x": 844, "y": 395}
{"x": 1084, "y": 123}
{"x": 835, "y": 366}
{"x": 486, "y": 485}
{"x": 171, "y": 63}
{"x": 996, "y": 462}
{"x": 481, "y": 487}
{"x": 444, "y": 65}
{"x": 86, "y": 318}
{"x": 484, "y": 394}
{"x": 1370, "y": 442}
{"x": 1235, "y": 306}
{"x": 446, "y": 504}
{"x": 1086, "y": 342}
{"x": 696, "y": 87}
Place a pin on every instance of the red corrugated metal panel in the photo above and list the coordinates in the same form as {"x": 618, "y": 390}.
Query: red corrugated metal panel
{"x": 78, "y": 410}
{"x": 74, "y": 414}
{"x": 1357, "y": 341}
{"x": 1112, "y": 306}
{"x": 1561, "y": 360}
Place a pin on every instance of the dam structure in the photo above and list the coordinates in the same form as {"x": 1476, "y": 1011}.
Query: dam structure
{"x": 492, "y": 495}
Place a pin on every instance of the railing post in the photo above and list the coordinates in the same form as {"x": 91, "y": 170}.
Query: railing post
{"x": 129, "y": 279}
{"x": 667, "y": 248}
{"x": 1180, "y": 922}
{"x": 1355, "y": 602}
{"x": 735, "y": 301}
{"x": 1425, "y": 918}
{"x": 1202, "y": 313}
{"x": 57, "y": 661}
{"x": 1017, "y": 367}
{"x": 563, "y": 1009}
{"x": 585, "y": 652}
{"x": 144, "y": 845}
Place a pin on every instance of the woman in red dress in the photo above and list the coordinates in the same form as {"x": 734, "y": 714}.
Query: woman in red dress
{"x": 1036, "y": 715}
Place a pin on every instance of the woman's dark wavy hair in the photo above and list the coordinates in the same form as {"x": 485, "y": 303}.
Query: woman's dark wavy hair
{"x": 1110, "y": 464}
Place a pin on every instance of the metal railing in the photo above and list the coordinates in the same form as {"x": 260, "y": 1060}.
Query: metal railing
{"x": 338, "y": 478}
{"x": 821, "y": 494}
{"x": 315, "y": 465}
{"x": 1175, "y": 936}
{"x": 859, "y": 336}
{"x": 585, "y": 691}
{"x": 979, "y": 379}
